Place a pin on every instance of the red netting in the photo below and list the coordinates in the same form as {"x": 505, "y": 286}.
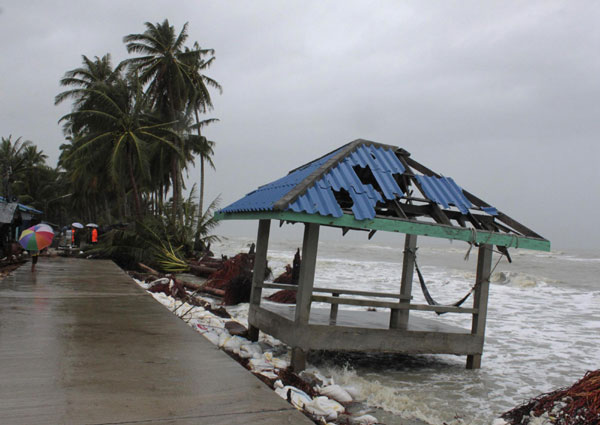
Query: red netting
{"x": 577, "y": 405}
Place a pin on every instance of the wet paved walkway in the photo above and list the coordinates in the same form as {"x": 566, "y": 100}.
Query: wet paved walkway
{"x": 81, "y": 343}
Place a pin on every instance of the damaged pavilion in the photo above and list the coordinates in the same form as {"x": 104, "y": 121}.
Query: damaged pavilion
{"x": 374, "y": 187}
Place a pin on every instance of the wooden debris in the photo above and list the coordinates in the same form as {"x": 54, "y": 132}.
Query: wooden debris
{"x": 291, "y": 276}
{"x": 234, "y": 278}
{"x": 236, "y": 329}
{"x": 285, "y": 296}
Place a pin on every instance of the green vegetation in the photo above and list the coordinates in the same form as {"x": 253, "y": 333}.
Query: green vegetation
{"x": 132, "y": 131}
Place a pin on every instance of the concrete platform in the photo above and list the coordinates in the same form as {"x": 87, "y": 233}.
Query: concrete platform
{"x": 81, "y": 343}
{"x": 365, "y": 319}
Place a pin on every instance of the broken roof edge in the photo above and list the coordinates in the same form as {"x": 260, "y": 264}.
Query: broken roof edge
{"x": 399, "y": 225}
{"x": 343, "y": 152}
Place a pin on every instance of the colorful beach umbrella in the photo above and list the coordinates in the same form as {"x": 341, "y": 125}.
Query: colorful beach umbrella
{"x": 36, "y": 237}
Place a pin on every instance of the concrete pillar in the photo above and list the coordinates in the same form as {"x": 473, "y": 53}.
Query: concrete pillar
{"x": 305, "y": 285}
{"x": 480, "y": 300}
{"x": 260, "y": 263}
{"x": 399, "y": 318}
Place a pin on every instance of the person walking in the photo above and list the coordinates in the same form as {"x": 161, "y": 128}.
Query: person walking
{"x": 34, "y": 239}
{"x": 94, "y": 235}
{"x": 34, "y": 259}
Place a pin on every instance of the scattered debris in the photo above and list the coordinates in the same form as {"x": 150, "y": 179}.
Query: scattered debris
{"x": 236, "y": 329}
{"x": 292, "y": 273}
{"x": 285, "y": 296}
{"x": 576, "y": 405}
{"x": 306, "y": 391}
{"x": 290, "y": 276}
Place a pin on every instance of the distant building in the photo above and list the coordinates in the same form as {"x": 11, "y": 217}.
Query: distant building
{"x": 14, "y": 217}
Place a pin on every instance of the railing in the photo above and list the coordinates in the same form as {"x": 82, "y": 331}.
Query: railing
{"x": 335, "y": 300}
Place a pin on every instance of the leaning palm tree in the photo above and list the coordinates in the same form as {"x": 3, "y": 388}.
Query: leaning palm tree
{"x": 120, "y": 122}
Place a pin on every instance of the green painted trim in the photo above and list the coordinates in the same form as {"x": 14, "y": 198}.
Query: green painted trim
{"x": 398, "y": 225}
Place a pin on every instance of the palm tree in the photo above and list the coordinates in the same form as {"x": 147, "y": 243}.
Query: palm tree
{"x": 163, "y": 68}
{"x": 202, "y": 102}
{"x": 80, "y": 81}
{"x": 120, "y": 122}
{"x": 171, "y": 72}
{"x": 12, "y": 161}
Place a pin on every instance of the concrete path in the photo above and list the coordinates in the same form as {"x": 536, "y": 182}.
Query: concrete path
{"x": 81, "y": 343}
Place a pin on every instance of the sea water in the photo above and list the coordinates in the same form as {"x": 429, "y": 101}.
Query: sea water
{"x": 542, "y": 333}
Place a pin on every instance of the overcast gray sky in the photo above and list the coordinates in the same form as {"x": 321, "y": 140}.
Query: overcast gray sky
{"x": 501, "y": 96}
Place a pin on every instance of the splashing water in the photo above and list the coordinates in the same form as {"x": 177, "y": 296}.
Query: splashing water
{"x": 543, "y": 329}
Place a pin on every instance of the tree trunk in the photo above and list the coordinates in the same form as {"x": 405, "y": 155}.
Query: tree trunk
{"x": 201, "y": 198}
{"x": 176, "y": 188}
{"x": 107, "y": 210}
{"x": 136, "y": 195}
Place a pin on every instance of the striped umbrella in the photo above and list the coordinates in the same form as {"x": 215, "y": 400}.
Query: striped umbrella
{"x": 36, "y": 237}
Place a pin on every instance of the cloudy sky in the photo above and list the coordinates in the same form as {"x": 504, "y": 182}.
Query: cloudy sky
{"x": 502, "y": 96}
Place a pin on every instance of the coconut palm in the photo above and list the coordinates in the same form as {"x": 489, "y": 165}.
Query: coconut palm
{"x": 12, "y": 161}
{"x": 80, "y": 81}
{"x": 202, "y": 102}
{"x": 163, "y": 68}
{"x": 171, "y": 72}
{"x": 120, "y": 123}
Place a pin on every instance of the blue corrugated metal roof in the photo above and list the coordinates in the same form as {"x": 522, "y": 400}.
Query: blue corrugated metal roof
{"x": 23, "y": 207}
{"x": 317, "y": 195}
{"x": 490, "y": 210}
{"x": 263, "y": 198}
{"x": 444, "y": 191}
{"x": 319, "y": 198}
{"x": 383, "y": 163}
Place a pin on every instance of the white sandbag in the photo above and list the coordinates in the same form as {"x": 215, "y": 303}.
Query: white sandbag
{"x": 234, "y": 343}
{"x": 276, "y": 362}
{"x": 249, "y": 350}
{"x": 354, "y": 392}
{"x": 325, "y": 381}
{"x": 269, "y": 374}
{"x": 223, "y": 338}
{"x": 324, "y": 407}
{"x": 215, "y": 323}
{"x": 363, "y": 420}
{"x": 259, "y": 364}
{"x": 298, "y": 397}
{"x": 335, "y": 392}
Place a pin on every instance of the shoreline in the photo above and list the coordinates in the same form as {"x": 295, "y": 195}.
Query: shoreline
{"x": 268, "y": 360}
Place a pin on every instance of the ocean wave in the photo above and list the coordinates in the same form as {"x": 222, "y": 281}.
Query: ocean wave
{"x": 414, "y": 404}
{"x": 516, "y": 279}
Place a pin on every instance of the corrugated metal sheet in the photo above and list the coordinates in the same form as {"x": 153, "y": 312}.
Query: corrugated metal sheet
{"x": 22, "y": 207}
{"x": 382, "y": 163}
{"x": 7, "y": 211}
{"x": 444, "y": 191}
{"x": 319, "y": 198}
{"x": 263, "y": 198}
{"x": 490, "y": 210}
